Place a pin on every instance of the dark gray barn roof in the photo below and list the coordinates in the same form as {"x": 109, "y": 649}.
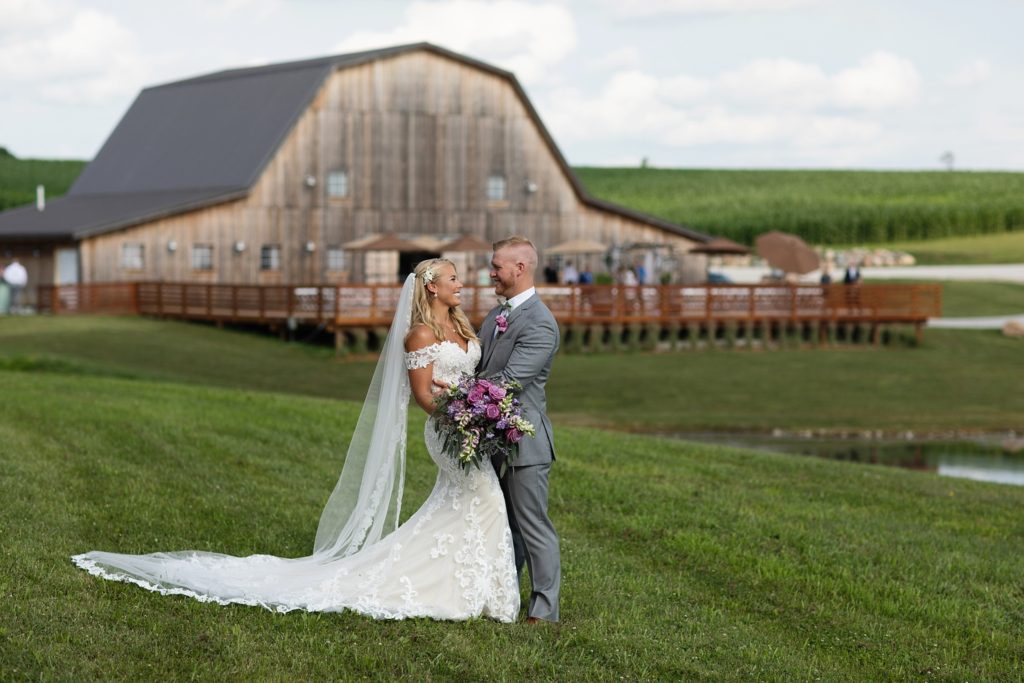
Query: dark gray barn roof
{"x": 205, "y": 140}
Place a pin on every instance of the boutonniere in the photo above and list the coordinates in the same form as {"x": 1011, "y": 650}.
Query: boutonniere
{"x": 502, "y": 320}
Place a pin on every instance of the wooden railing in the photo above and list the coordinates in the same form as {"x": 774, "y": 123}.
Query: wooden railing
{"x": 348, "y": 306}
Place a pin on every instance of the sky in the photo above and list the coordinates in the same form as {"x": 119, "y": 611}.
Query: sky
{"x": 862, "y": 84}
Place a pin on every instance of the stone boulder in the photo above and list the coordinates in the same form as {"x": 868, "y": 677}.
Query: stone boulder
{"x": 1014, "y": 328}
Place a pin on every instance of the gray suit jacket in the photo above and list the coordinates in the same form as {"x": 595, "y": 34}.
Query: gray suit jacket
{"x": 524, "y": 352}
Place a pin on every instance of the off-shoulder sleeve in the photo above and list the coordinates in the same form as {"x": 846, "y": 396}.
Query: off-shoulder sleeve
{"x": 420, "y": 358}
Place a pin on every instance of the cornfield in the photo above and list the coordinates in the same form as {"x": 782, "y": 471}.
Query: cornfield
{"x": 823, "y": 207}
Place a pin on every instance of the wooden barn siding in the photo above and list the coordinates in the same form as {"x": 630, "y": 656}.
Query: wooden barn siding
{"x": 419, "y": 134}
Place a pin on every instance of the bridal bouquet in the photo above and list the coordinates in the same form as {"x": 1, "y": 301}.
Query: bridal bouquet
{"x": 477, "y": 419}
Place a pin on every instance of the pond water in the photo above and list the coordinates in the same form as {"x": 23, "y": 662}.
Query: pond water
{"x": 981, "y": 459}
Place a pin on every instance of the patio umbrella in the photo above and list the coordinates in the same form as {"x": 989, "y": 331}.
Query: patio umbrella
{"x": 577, "y": 247}
{"x": 787, "y": 252}
{"x": 385, "y": 242}
{"x": 430, "y": 243}
{"x": 467, "y": 243}
{"x": 720, "y": 245}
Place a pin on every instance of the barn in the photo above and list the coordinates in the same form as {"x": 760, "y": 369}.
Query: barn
{"x": 340, "y": 169}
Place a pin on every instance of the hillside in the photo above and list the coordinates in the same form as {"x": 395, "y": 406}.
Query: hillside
{"x": 19, "y": 177}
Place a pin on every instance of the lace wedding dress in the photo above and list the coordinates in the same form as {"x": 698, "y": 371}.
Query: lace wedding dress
{"x": 451, "y": 560}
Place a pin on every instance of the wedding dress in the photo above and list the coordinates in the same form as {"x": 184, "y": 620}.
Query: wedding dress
{"x": 451, "y": 560}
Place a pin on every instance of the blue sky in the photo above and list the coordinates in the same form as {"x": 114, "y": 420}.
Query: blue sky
{"x": 683, "y": 83}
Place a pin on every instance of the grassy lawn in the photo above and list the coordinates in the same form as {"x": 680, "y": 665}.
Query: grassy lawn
{"x": 681, "y": 562}
{"x": 1006, "y": 247}
{"x": 957, "y": 380}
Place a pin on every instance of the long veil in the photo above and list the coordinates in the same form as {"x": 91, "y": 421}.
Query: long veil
{"x": 363, "y": 508}
{"x": 366, "y": 502}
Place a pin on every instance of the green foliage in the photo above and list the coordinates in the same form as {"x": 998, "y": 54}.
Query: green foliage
{"x": 824, "y": 207}
{"x": 19, "y": 177}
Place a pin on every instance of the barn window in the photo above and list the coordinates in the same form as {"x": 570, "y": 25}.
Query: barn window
{"x": 496, "y": 188}
{"x": 270, "y": 257}
{"x": 133, "y": 256}
{"x": 337, "y": 184}
{"x": 335, "y": 259}
{"x": 202, "y": 257}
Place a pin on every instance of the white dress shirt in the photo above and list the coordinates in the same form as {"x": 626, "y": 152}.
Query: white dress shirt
{"x": 520, "y": 298}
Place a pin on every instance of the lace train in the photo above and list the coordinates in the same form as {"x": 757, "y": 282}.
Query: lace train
{"x": 451, "y": 560}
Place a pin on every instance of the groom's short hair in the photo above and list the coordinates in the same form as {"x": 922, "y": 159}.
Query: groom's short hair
{"x": 519, "y": 241}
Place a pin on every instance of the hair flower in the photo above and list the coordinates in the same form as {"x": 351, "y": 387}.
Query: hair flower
{"x": 428, "y": 276}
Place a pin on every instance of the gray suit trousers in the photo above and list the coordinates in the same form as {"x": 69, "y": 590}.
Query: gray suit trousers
{"x": 533, "y": 536}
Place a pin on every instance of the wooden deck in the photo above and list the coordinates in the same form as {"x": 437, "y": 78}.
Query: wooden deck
{"x": 372, "y": 306}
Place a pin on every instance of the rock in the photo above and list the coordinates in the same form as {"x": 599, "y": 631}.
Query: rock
{"x": 1014, "y": 328}
{"x": 1013, "y": 445}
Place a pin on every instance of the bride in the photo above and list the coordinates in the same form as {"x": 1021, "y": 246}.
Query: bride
{"x": 452, "y": 559}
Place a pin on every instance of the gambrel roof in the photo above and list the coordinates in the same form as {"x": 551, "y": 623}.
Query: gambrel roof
{"x": 206, "y": 140}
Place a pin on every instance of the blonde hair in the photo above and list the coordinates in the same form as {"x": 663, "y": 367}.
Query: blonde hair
{"x": 530, "y": 254}
{"x": 427, "y": 272}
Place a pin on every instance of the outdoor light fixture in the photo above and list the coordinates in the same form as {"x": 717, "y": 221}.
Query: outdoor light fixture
{"x": 239, "y": 247}
{"x": 310, "y": 180}
{"x": 310, "y": 247}
{"x": 531, "y": 187}
{"x": 172, "y": 246}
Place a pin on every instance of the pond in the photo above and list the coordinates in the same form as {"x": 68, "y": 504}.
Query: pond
{"x": 979, "y": 458}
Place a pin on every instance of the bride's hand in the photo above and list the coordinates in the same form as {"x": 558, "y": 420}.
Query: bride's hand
{"x": 440, "y": 387}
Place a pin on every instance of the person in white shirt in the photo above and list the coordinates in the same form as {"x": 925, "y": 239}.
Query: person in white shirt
{"x": 16, "y": 278}
{"x": 570, "y": 275}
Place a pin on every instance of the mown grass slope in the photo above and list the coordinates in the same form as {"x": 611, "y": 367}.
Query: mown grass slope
{"x": 681, "y": 562}
{"x": 956, "y": 380}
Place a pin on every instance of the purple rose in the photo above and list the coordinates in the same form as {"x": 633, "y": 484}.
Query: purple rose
{"x": 502, "y": 322}
{"x": 514, "y": 435}
{"x": 496, "y": 392}
{"x": 493, "y": 412}
{"x": 476, "y": 395}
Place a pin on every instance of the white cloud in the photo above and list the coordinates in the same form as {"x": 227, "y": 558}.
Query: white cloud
{"x": 776, "y": 82}
{"x": 621, "y": 58}
{"x": 648, "y": 8}
{"x": 71, "y": 56}
{"x": 970, "y": 73}
{"x": 21, "y": 15}
{"x": 764, "y": 102}
{"x": 525, "y": 38}
{"x": 223, "y": 9}
{"x": 881, "y": 80}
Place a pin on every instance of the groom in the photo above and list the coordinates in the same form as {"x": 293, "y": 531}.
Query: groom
{"x": 519, "y": 340}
